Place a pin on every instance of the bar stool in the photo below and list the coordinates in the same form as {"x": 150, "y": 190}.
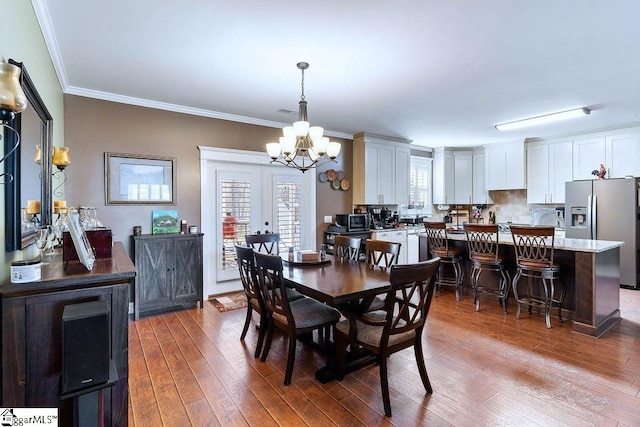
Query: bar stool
{"x": 482, "y": 241}
{"x": 439, "y": 247}
{"x": 534, "y": 257}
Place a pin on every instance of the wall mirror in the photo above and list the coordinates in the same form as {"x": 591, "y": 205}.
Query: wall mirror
{"x": 31, "y": 181}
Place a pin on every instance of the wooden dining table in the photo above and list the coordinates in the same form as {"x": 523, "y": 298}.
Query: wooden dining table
{"x": 339, "y": 284}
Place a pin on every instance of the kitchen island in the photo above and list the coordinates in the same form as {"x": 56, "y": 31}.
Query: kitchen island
{"x": 590, "y": 269}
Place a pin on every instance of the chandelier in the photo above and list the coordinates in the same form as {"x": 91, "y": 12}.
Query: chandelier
{"x": 302, "y": 146}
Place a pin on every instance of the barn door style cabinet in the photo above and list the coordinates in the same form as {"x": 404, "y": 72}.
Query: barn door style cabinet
{"x": 169, "y": 272}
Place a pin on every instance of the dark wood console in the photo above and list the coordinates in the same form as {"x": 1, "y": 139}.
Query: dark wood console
{"x": 32, "y": 327}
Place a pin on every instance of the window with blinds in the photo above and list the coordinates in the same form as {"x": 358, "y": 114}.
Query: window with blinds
{"x": 420, "y": 183}
{"x": 288, "y": 195}
{"x": 236, "y": 217}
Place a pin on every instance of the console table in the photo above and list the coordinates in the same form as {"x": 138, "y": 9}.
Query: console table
{"x": 32, "y": 327}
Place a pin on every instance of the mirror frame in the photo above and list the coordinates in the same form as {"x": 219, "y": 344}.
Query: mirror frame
{"x": 14, "y": 239}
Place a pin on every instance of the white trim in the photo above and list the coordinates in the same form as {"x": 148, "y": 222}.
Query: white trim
{"x": 44, "y": 20}
{"x": 208, "y": 157}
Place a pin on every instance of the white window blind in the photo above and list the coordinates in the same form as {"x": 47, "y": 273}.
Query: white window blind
{"x": 420, "y": 187}
{"x": 236, "y": 217}
{"x": 288, "y": 213}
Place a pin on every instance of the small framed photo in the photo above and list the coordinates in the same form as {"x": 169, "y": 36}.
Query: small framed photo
{"x": 135, "y": 179}
{"x": 164, "y": 222}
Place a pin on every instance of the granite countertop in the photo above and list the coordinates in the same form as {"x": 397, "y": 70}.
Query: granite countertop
{"x": 561, "y": 243}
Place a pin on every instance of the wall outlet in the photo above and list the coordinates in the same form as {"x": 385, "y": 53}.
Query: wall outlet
{"x": 328, "y": 219}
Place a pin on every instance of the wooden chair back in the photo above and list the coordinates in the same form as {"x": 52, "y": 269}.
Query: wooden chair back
{"x": 267, "y": 243}
{"x": 482, "y": 241}
{"x": 248, "y": 275}
{"x": 534, "y": 246}
{"x": 381, "y": 253}
{"x": 269, "y": 269}
{"x": 437, "y": 237}
{"x": 408, "y": 301}
{"x": 347, "y": 248}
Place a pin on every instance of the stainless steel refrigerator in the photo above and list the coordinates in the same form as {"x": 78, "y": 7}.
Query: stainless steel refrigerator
{"x": 607, "y": 209}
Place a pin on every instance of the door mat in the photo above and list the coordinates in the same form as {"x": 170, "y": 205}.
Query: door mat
{"x": 230, "y": 302}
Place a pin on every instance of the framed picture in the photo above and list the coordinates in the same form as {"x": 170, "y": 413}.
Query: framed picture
{"x": 164, "y": 222}
{"x": 135, "y": 179}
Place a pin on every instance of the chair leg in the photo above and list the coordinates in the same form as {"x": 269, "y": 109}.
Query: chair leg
{"x": 514, "y": 285}
{"x": 267, "y": 345}
{"x": 247, "y": 321}
{"x": 474, "y": 283}
{"x": 384, "y": 385}
{"x": 417, "y": 347}
{"x": 547, "y": 301}
{"x": 261, "y": 333}
{"x": 505, "y": 288}
{"x": 290, "y": 359}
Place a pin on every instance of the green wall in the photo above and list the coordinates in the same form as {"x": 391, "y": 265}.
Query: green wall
{"x": 22, "y": 40}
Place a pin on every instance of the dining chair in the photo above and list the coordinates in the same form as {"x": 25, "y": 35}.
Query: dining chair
{"x": 534, "y": 248}
{"x": 255, "y": 301}
{"x": 268, "y": 243}
{"x": 438, "y": 243}
{"x": 294, "y": 318}
{"x": 347, "y": 248}
{"x": 484, "y": 254}
{"x": 378, "y": 254}
{"x": 397, "y": 326}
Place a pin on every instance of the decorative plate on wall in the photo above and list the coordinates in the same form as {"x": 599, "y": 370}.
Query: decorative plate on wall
{"x": 323, "y": 177}
{"x": 335, "y": 184}
{"x": 345, "y": 184}
{"x": 331, "y": 174}
{"x": 340, "y": 175}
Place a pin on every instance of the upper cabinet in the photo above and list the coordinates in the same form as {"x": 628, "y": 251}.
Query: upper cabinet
{"x": 505, "y": 166}
{"x": 463, "y": 177}
{"x": 459, "y": 177}
{"x": 588, "y": 154}
{"x": 380, "y": 172}
{"x": 623, "y": 155}
{"x": 443, "y": 176}
{"x": 547, "y": 171}
{"x": 479, "y": 193}
{"x": 403, "y": 167}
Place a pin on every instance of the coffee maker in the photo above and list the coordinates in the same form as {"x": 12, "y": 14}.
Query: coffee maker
{"x": 380, "y": 217}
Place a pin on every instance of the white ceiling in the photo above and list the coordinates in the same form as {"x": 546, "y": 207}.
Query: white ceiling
{"x": 431, "y": 71}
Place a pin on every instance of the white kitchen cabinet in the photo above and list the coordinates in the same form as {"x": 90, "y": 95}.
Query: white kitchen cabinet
{"x": 479, "y": 193}
{"x": 395, "y": 235}
{"x": 443, "y": 176}
{"x": 548, "y": 168}
{"x": 505, "y": 166}
{"x": 588, "y": 154}
{"x": 622, "y": 155}
{"x": 402, "y": 168}
{"x": 413, "y": 247}
{"x": 463, "y": 177}
{"x": 380, "y": 172}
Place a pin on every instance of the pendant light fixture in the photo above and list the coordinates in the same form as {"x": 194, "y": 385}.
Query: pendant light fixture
{"x": 303, "y": 146}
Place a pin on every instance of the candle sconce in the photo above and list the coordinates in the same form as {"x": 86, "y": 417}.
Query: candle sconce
{"x": 12, "y": 101}
{"x": 60, "y": 160}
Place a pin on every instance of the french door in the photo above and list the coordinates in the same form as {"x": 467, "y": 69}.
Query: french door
{"x": 244, "y": 197}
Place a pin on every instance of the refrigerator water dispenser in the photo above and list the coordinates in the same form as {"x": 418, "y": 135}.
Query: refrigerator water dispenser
{"x": 579, "y": 217}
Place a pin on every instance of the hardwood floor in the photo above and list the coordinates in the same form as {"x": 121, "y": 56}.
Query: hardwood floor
{"x": 486, "y": 368}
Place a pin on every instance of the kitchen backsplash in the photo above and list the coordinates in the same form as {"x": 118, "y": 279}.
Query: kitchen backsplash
{"x": 508, "y": 205}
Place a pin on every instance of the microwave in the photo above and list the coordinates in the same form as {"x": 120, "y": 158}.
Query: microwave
{"x": 353, "y": 222}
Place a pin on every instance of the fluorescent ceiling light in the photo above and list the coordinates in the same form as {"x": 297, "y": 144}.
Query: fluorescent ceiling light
{"x": 547, "y": 118}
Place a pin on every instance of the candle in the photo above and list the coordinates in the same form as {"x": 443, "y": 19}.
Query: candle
{"x": 33, "y": 206}
{"x": 57, "y": 204}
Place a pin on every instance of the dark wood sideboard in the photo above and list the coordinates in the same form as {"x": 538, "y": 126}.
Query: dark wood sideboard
{"x": 31, "y": 343}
